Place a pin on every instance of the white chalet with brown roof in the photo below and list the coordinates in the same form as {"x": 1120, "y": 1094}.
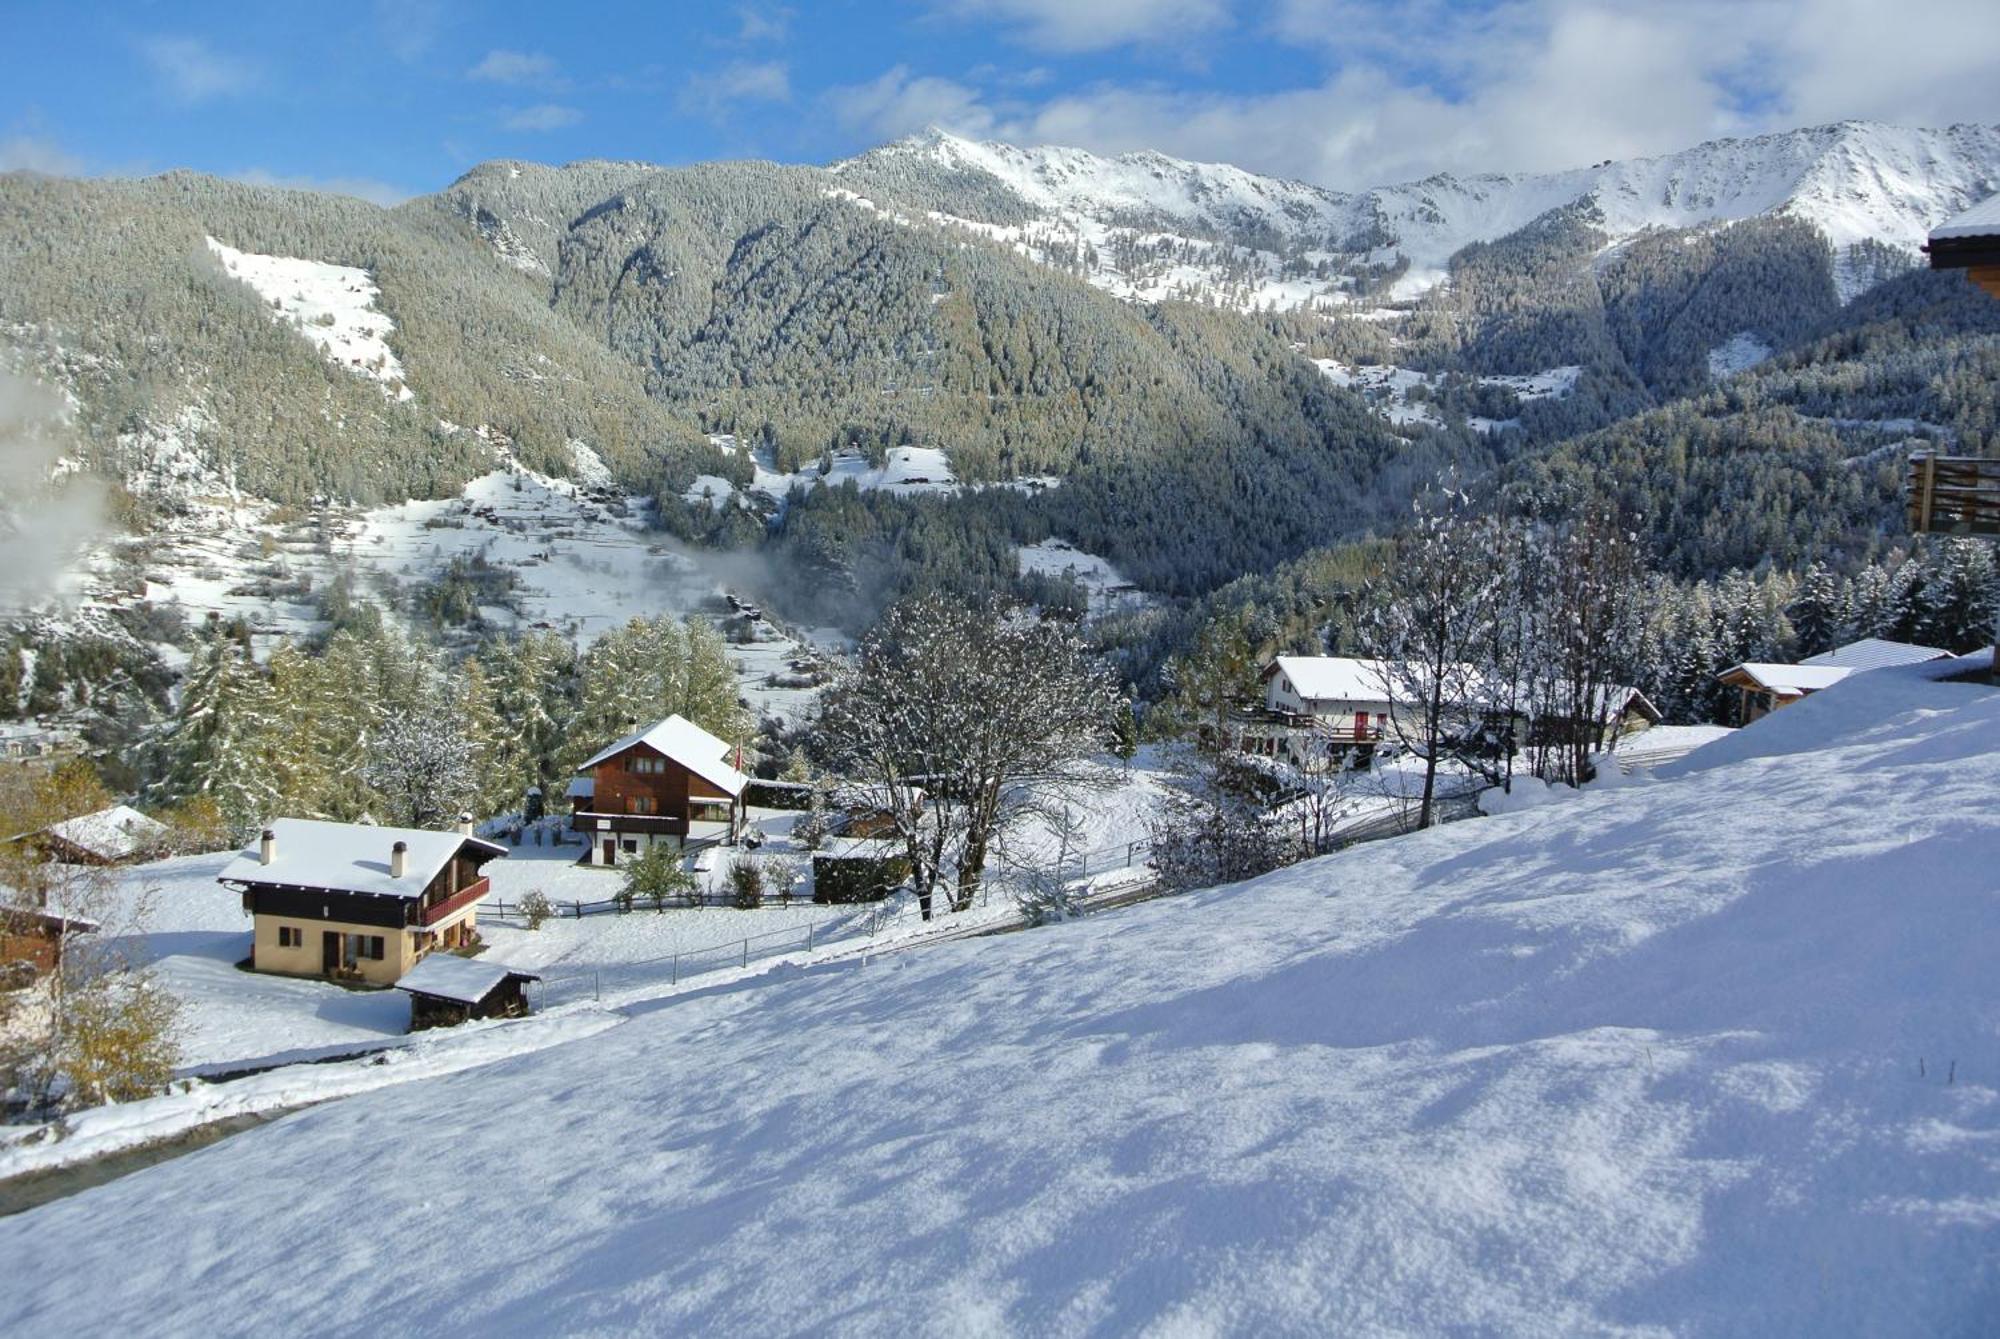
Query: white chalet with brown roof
{"x": 669, "y": 784}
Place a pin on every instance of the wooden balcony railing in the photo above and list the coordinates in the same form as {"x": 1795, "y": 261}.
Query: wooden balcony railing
{"x": 457, "y": 902}
{"x": 586, "y": 821}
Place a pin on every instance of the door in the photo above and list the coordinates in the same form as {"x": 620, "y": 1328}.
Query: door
{"x": 1361, "y": 726}
{"x": 610, "y": 850}
{"x": 329, "y": 951}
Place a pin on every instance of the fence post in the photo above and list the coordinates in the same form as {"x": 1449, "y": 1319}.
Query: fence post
{"x": 676, "y": 978}
{"x": 746, "y": 953}
{"x": 809, "y": 936}
{"x": 579, "y": 909}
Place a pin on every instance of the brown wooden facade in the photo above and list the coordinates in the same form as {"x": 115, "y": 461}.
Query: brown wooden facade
{"x": 31, "y": 943}
{"x": 640, "y": 796}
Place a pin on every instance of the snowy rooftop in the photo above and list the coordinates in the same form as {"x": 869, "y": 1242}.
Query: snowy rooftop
{"x": 351, "y": 857}
{"x": 687, "y": 744}
{"x": 467, "y": 980}
{"x": 111, "y": 834}
{"x": 1334, "y": 678}
{"x": 1795, "y": 680}
{"x": 1875, "y": 652}
{"x": 1982, "y": 220}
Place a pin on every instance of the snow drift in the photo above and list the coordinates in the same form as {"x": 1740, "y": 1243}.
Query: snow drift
{"x": 1708, "y": 1054}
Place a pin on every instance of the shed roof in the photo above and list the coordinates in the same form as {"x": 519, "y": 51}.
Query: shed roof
{"x": 1875, "y": 653}
{"x": 1333, "y": 678}
{"x": 1787, "y": 680}
{"x": 1982, "y": 220}
{"x": 352, "y": 857}
{"x": 111, "y": 834}
{"x": 685, "y": 743}
{"x": 467, "y": 980}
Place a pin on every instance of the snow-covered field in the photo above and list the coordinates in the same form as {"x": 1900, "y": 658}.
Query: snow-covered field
{"x": 1108, "y": 588}
{"x": 1708, "y": 1054}
{"x": 1388, "y": 390}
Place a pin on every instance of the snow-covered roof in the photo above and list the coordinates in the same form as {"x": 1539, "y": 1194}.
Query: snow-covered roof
{"x": 1333, "y": 678}
{"x": 582, "y": 788}
{"x": 1789, "y": 680}
{"x": 685, "y": 743}
{"x": 1982, "y": 220}
{"x": 467, "y": 980}
{"x": 1875, "y": 653}
{"x": 351, "y": 857}
{"x": 111, "y": 834}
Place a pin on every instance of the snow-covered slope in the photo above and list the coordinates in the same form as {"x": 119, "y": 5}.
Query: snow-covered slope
{"x": 331, "y": 305}
{"x": 1707, "y": 1055}
{"x": 1148, "y": 226}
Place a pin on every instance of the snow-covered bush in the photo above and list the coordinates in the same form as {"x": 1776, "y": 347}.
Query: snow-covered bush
{"x": 746, "y": 883}
{"x": 536, "y": 908}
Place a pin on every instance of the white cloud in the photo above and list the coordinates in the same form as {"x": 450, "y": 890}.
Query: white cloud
{"x": 542, "y": 117}
{"x": 763, "y": 24}
{"x": 363, "y": 188}
{"x": 1095, "y": 25}
{"x": 1522, "y": 85}
{"x": 193, "y": 71}
{"x": 517, "y": 67}
{"x": 740, "y": 81}
{"x": 897, "y": 104}
{"x": 33, "y": 153}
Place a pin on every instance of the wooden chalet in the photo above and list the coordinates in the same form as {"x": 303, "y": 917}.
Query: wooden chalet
{"x": 120, "y": 835}
{"x": 670, "y": 784}
{"x": 32, "y": 943}
{"x": 445, "y": 991}
{"x": 356, "y": 902}
{"x": 1970, "y": 242}
{"x": 1763, "y": 688}
{"x": 1339, "y": 702}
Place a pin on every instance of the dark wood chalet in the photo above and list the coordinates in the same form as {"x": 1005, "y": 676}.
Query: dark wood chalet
{"x": 357, "y": 902}
{"x": 670, "y": 784}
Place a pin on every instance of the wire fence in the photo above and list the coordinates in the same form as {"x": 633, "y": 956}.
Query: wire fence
{"x": 673, "y": 968}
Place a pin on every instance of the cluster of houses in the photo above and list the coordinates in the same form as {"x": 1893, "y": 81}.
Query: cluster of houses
{"x": 375, "y": 905}
{"x": 1319, "y": 704}
{"x": 1314, "y": 705}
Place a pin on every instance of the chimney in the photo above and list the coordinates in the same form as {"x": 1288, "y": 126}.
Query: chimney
{"x": 267, "y": 847}
{"x": 399, "y": 859}
{"x": 465, "y": 825}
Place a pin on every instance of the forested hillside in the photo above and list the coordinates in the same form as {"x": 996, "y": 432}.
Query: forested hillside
{"x": 1197, "y": 375}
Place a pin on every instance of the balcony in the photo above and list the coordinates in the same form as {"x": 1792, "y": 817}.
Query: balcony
{"x": 587, "y": 822}
{"x": 457, "y": 902}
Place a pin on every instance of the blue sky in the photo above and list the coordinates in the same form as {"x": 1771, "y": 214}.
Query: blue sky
{"x": 391, "y": 98}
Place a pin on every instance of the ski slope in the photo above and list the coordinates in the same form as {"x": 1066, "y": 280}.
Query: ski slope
{"x": 1712, "y": 1053}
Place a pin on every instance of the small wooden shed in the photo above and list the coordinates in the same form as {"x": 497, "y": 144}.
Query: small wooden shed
{"x": 446, "y": 990}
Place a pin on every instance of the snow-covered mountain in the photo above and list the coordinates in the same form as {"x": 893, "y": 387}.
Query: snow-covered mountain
{"x": 1147, "y": 226}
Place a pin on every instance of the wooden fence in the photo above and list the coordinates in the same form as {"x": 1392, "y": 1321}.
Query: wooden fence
{"x": 1954, "y": 495}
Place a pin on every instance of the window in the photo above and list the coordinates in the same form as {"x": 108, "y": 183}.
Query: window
{"x": 647, "y": 766}
{"x": 641, "y": 804}
{"x": 631, "y": 846}
{"x": 291, "y": 936}
{"x": 356, "y": 947}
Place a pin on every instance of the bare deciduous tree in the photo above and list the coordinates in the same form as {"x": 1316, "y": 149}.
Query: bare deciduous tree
{"x": 958, "y": 718}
